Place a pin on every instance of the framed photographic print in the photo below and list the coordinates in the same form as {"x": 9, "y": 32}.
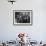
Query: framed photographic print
{"x": 22, "y": 17}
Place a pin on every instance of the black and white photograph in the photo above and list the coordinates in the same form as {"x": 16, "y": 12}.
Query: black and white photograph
{"x": 22, "y": 17}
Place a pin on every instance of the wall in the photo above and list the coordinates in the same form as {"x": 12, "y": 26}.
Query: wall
{"x": 37, "y": 31}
